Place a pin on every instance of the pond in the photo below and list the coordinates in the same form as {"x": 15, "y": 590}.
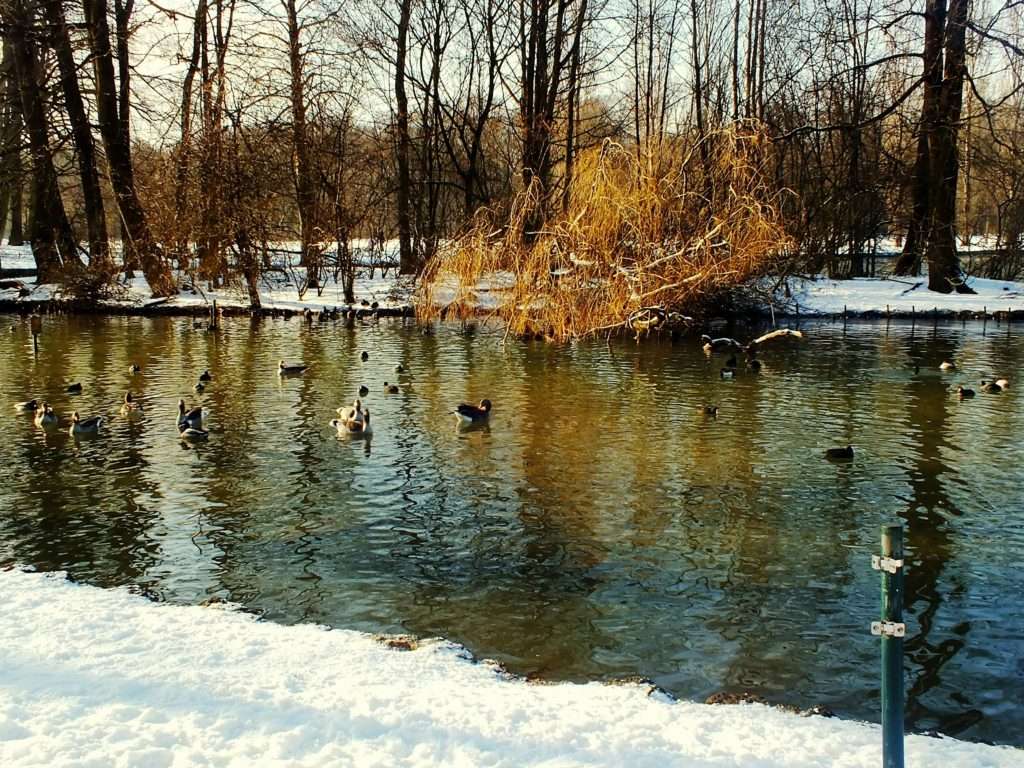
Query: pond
{"x": 600, "y": 527}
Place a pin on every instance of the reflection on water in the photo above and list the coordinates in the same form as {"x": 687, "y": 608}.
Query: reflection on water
{"x": 601, "y": 526}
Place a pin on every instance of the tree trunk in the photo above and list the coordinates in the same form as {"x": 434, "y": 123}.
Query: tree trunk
{"x": 53, "y": 243}
{"x": 305, "y": 193}
{"x": 99, "y": 247}
{"x": 139, "y": 243}
{"x": 407, "y": 258}
{"x": 182, "y": 215}
{"x": 12, "y": 138}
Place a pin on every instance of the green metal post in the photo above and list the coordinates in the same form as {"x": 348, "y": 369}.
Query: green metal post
{"x": 892, "y": 631}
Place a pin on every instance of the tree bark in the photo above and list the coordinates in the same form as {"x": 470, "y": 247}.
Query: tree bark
{"x": 99, "y": 246}
{"x": 182, "y": 215}
{"x": 407, "y": 257}
{"x": 139, "y": 242}
{"x": 305, "y": 192}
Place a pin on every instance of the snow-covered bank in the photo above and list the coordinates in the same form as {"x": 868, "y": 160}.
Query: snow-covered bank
{"x": 103, "y": 677}
{"x": 903, "y": 296}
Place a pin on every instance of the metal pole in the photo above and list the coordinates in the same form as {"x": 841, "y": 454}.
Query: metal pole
{"x": 892, "y": 630}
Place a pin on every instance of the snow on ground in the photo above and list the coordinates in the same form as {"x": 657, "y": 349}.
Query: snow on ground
{"x": 826, "y": 296}
{"x": 104, "y": 677}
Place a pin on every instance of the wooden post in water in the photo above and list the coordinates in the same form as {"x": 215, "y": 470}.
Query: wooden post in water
{"x": 892, "y": 630}
{"x": 36, "y": 324}
{"x": 984, "y": 319}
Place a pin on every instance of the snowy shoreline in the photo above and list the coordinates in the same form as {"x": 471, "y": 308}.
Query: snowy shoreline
{"x": 95, "y": 676}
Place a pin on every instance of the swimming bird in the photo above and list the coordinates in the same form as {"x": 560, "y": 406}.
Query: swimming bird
{"x": 75, "y": 388}
{"x": 45, "y": 417}
{"x": 134, "y": 368}
{"x": 205, "y": 375}
{"x": 364, "y": 356}
{"x": 710, "y": 410}
{"x": 354, "y": 427}
{"x": 290, "y": 370}
{"x": 352, "y": 412}
{"x": 364, "y": 390}
{"x": 399, "y": 368}
{"x": 27, "y": 406}
{"x": 840, "y": 453}
{"x": 80, "y": 426}
{"x": 1003, "y": 383}
{"x": 990, "y": 387}
{"x": 130, "y": 405}
{"x": 727, "y": 373}
{"x": 474, "y": 414}
{"x": 947, "y": 366}
{"x": 189, "y": 418}
{"x": 963, "y": 392}
{"x": 199, "y": 388}
{"x": 186, "y": 432}
{"x": 391, "y": 389}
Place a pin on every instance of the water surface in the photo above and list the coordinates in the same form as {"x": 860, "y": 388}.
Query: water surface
{"x": 601, "y": 527}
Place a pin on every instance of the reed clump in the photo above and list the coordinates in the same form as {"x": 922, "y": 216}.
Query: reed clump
{"x": 644, "y": 235}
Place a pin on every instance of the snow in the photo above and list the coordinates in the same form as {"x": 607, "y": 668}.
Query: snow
{"x": 104, "y": 677}
{"x": 826, "y": 296}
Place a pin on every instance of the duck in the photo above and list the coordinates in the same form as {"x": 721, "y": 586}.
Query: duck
{"x": 205, "y": 376}
{"x": 285, "y": 369}
{"x": 134, "y": 368}
{"x": 80, "y": 426}
{"x": 189, "y": 418}
{"x": 29, "y": 406}
{"x": 130, "y": 405}
{"x": 360, "y": 427}
{"x": 352, "y": 412}
{"x": 840, "y": 453}
{"x": 45, "y": 417}
{"x": 364, "y": 356}
{"x": 474, "y": 414}
{"x": 710, "y": 410}
{"x": 727, "y": 373}
{"x": 75, "y": 388}
{"x": 185, "y": 432}
{"x": 1003, "y": 383}
{"x": 963, "y": 392}
{"x": 990, "y": 387}
{"x": 947, "y": 366}
{"x": 399, "y": 368}
{"x": 199, "y": 388}
{"x": 391, "y": 389}
{"x": 364, "y": 390}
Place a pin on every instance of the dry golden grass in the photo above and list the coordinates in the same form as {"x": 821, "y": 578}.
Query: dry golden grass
{"x": 659, "y": 231}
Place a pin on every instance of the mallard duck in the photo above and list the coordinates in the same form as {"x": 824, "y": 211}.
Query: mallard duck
{"x": 990, "y": 387}
{"x": 284, "y": 369}
{"x": 1003, "y": 383}
{"x": 947, "y": 366}
{"x": 364, "y": 356}
{"x": 45, "y": 417}
{"x": 75, "y": 388}
{"x": 364, "y": 390}
{"x": 963, "y": 392}
{"x": 840, "y": 454}
{"x": 399, "y": 368}
{"x": 710, "y": 410}
{"x": 355, "y": 427}
{"x": 80, "y": 426}
{"x": 29, "y": 406}
{"x": 134, "y": 368}
{"x": 727, "y": 373}
{"x": 391, "y": 389}
{"x": 474, "y": 414}
{"x": 199, "y": 388}
{"x": 192, "y": 433}
{"x": 130, "y": 405}
{"x": 205, "y": 376}
{"x": 189, "y": 418}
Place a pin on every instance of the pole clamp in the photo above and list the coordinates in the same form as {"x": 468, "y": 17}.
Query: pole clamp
{"x": 887, "y": 564}
{"x": 889, "y": 628}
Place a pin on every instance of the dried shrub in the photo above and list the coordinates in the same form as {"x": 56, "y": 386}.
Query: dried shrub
{"x": 670, "y": 230}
